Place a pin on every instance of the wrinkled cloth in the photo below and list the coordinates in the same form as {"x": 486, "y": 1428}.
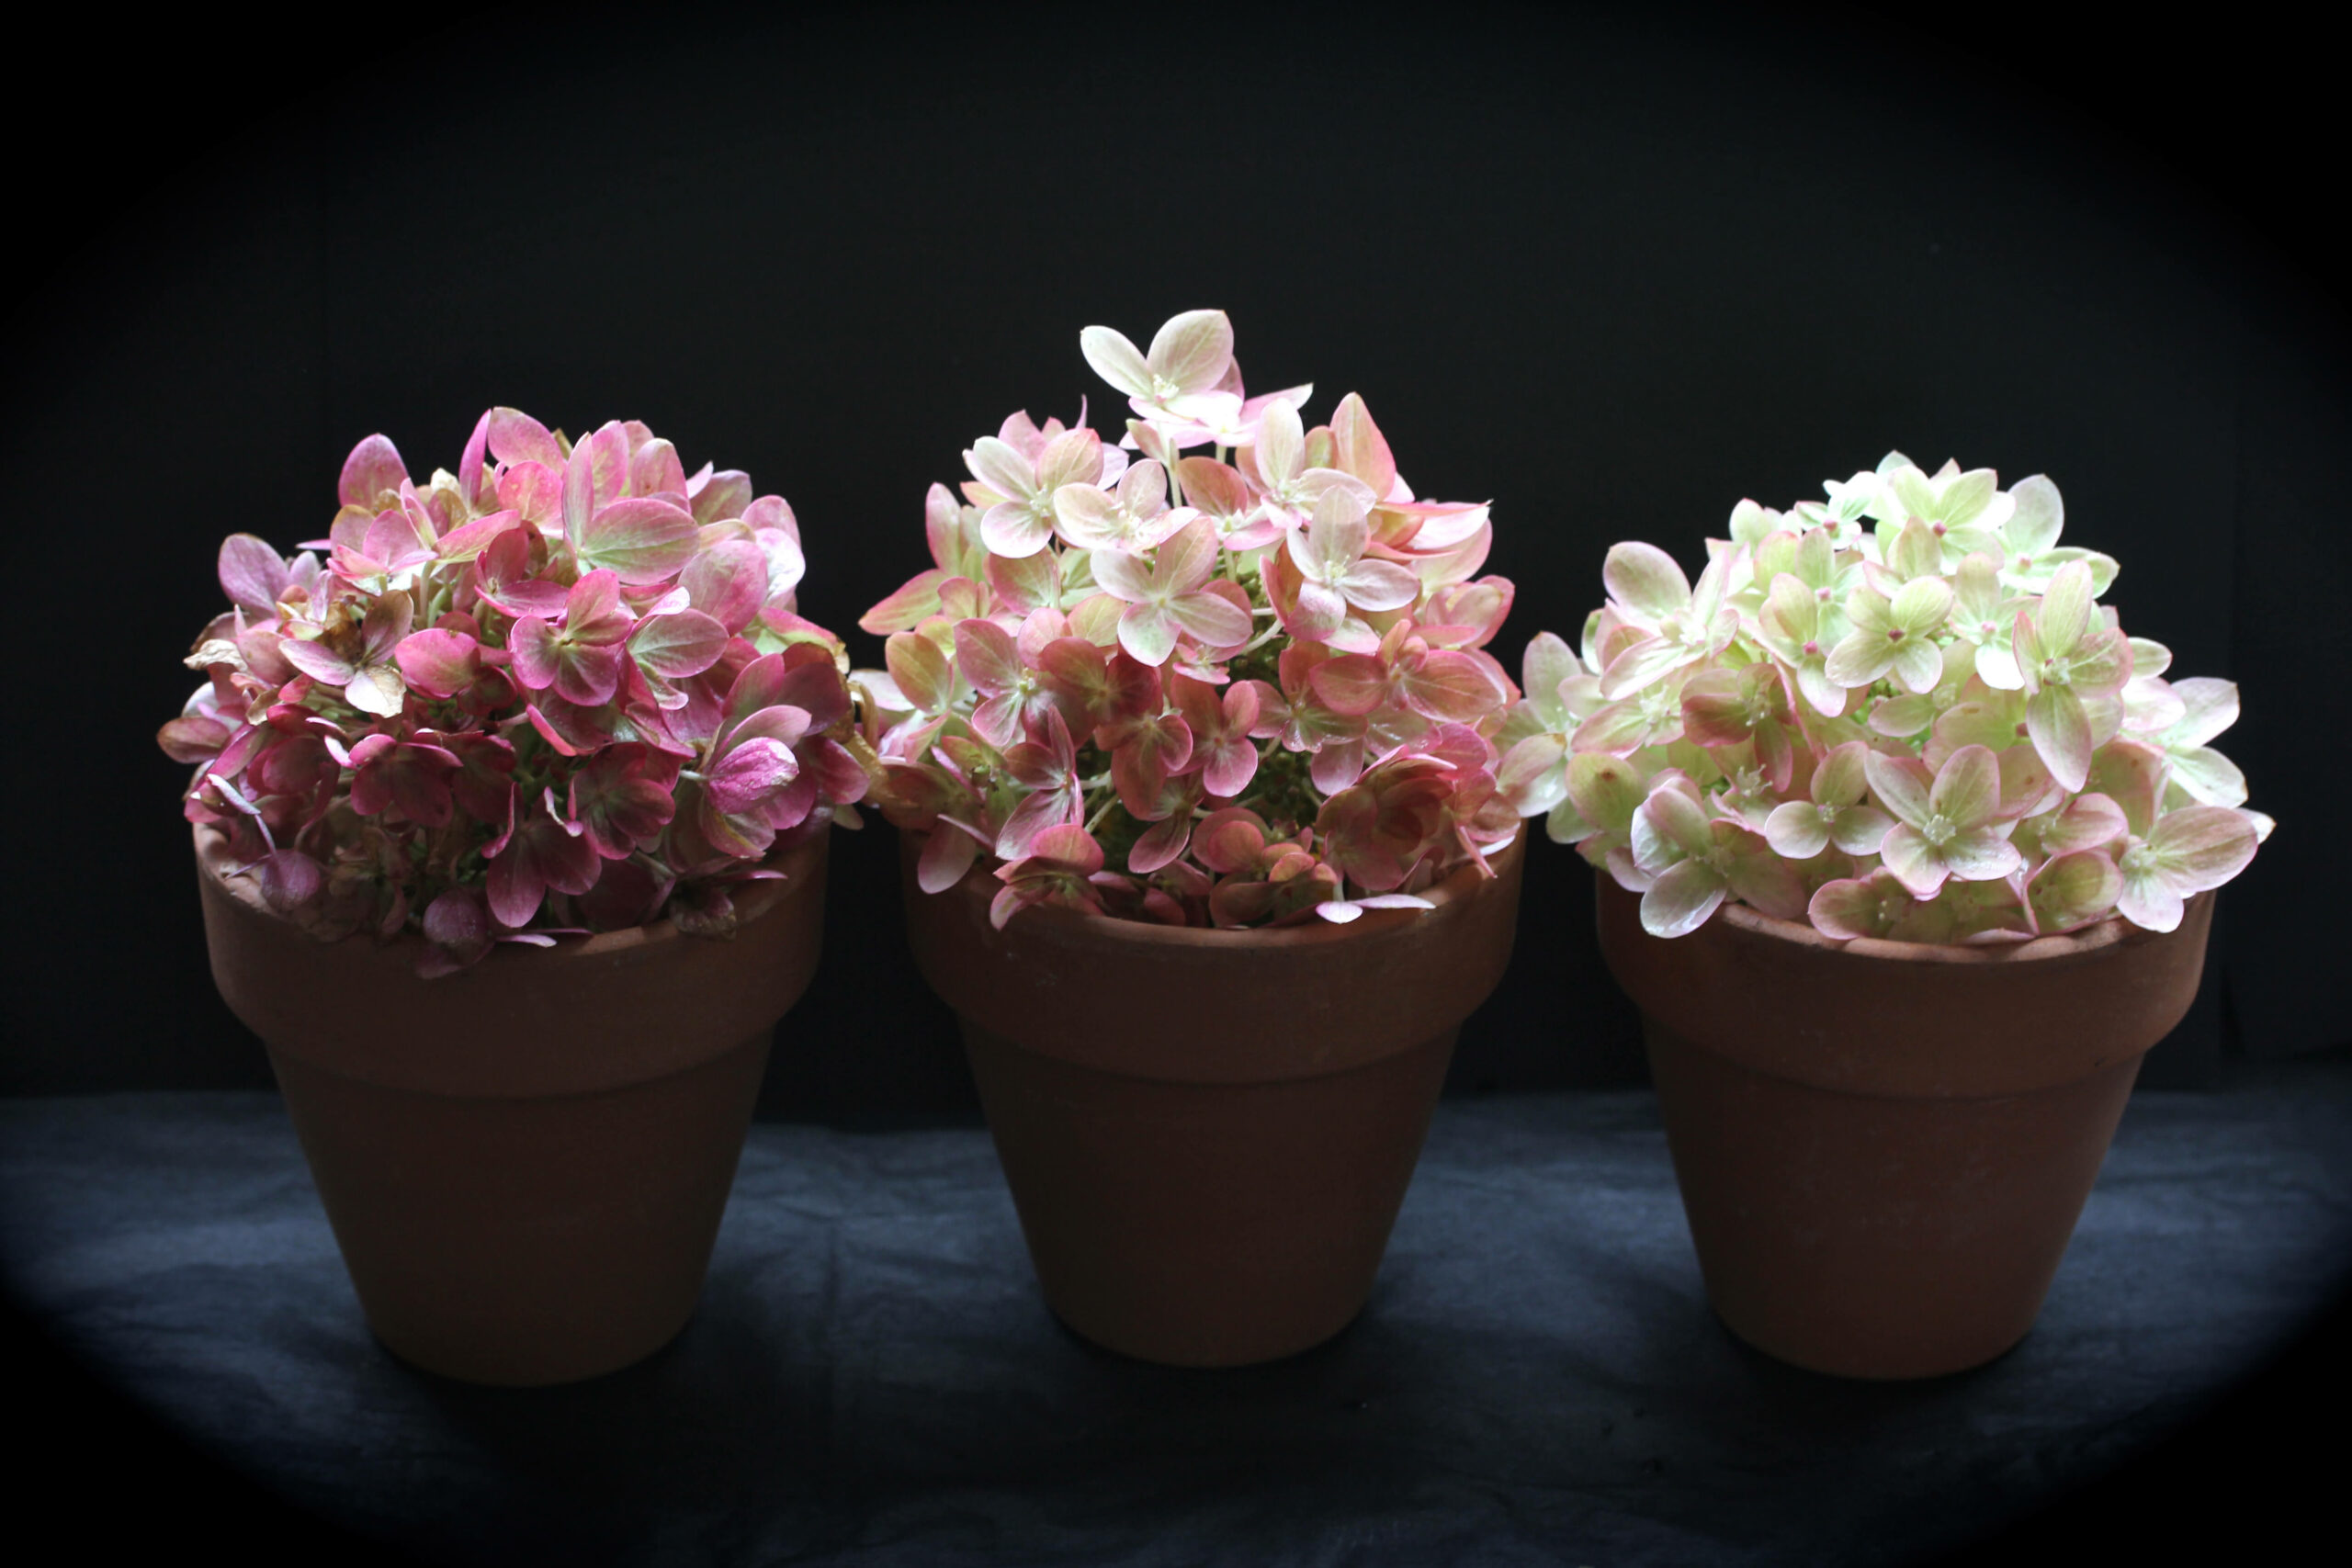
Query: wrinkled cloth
{"x": 872, "y": 1376}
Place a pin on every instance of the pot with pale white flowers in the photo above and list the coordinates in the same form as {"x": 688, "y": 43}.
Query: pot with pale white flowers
{"x": 1906, "y": 851}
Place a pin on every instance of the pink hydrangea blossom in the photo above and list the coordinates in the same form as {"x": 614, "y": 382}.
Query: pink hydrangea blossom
{"x": 1241, "y": 681}
{"x": 546, "y": 693}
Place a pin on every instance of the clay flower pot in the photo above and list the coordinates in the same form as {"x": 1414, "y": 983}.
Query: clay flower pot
{"x": 1884, "y": 1146}
{"x": 525, "y": 1162}
{"x": 1207, "y": 1132}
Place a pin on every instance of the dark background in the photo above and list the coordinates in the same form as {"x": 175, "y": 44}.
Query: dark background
{"x": 1612, "y": 270}
{"x": 1612, "y": 273}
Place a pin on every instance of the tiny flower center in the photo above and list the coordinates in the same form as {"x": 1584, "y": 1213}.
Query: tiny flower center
{"x": 1938, "y": 830}
{"x": 1894, "y": 634}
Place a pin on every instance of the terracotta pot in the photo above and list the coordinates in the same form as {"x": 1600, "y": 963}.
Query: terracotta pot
{"x": 525, "y": 1163}
{"x": 1883, "y": 1146}
{"x": 1208, "y": 1133}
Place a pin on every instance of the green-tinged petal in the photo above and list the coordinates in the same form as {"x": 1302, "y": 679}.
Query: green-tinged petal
{"x": 1764, "y": 882}
{"x": 1643, "y": 664}
{"x": 1976, "y": 588}
{"x": 1997, "y": 667}
{"x": 2148, "y": 900}
{"x": 1116, "y": 360}
{"x": 1916, "y": 552}
{"x": 1918, "y": 664}
{"x": 1860, "y": 830}
{"x": 1920, "y": 605}
{"x": 1913, "y": 861}
{"x": 1796, "y": 831}
{"x": 2061, "y": 732}
{"x": 2201, "y": 846}
{"x": 1966, "y": 496}
{"x": 1547, "y": 661}
{"x": 1565, "y": 826}
{"x": 1982, "y": 855}
{"x": 1899, "y": 718}
{"x": 1192, "y": 351}
{"x": 1860, "y": 659}
{"x": 1869, "y": 610}
{"x": 1967, "y": 791}
{"x": 1679, "y": 901}
{"x": 2208, "y": 707}
{"x": 2034, "y": 526}
{"x": 2209, "y": 776}
{"x": 1606, "y": 790}
{"x": 2065, "y": 611}
{"x": 2072, "y": 890}
{"x": 1645, "y": 579}
{"x": 1531, "y": 775}
{"x": 2134, "y": 776}
{"x": 1901, "y": 785}
{"x": 1679, "y": 824}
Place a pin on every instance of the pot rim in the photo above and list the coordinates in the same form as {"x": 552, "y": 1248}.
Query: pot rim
{"x": 2081, "y": 944}
{"x": 212, "y": 858}
{"x": 1464, "y": 882}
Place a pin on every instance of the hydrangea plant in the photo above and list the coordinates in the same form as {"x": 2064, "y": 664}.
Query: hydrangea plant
{"x": 563, "y": 689}
{"x": 1899, "y": 712}
{"x": 1227, "y": 671}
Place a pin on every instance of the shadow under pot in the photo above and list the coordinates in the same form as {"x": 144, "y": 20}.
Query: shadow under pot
{"x": 1208, "y": 1133}
{"x": 525, "y": 1162}
{"x": 1884, "y": 1146}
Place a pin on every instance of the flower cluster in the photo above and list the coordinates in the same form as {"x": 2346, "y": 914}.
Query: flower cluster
{"x": 1926, "y": 728}
{"x": 1249, "y": 680}
{"x": 564, "y": 688}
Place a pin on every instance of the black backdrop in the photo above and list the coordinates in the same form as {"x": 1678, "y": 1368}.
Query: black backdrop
{"x": 1612, "y": 271}
{"x": 1613, "y": 274}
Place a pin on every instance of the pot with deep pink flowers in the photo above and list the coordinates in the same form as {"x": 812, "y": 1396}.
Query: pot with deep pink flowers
{"x": 510, "y": 805}
{"x": 1190, "y": 737}
{"x": 1906, "y": 852}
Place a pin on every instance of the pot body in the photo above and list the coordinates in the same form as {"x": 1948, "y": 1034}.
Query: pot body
{"x": 1208, "y": 1133}
{"x": 1882, "y": 1147}
{"x": 525, "y": 1163}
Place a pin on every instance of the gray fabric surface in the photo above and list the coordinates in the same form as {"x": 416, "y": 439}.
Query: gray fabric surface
{"x": 872, "y": 1377}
